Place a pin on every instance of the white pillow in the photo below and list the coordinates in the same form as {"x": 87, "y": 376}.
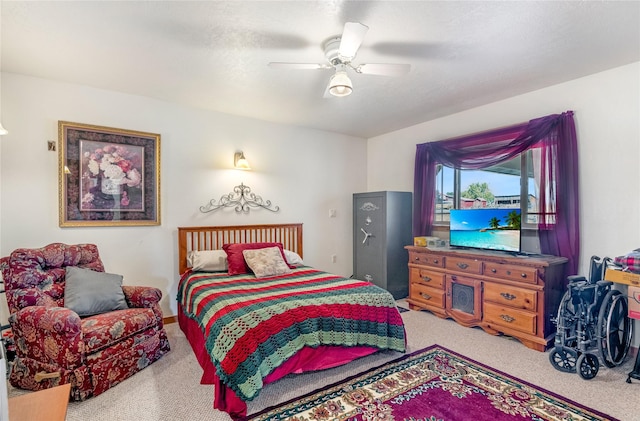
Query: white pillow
{"x": 266, "y": 262}
{"x": 293, "y": 258}
{"x": 207, "y": 260}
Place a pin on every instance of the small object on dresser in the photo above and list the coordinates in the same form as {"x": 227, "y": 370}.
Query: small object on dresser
{"x": 437, "y": 242}
{"x": 420, "y": 241}
{"x": 428, "y": 242}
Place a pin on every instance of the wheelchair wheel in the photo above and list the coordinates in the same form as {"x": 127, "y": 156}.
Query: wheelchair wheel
{"x": 564, "y": 359}
{"x": 588, "y": 366}
{"x": 614, "y": 329}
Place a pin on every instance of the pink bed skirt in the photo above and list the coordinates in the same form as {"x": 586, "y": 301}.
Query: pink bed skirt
{"x": 307, "y": 359}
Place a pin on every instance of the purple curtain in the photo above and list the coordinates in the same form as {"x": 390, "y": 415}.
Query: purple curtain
{"x": 555, "y": 135}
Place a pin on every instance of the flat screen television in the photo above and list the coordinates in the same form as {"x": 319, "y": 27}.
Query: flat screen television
{"x": 485, "y": 228}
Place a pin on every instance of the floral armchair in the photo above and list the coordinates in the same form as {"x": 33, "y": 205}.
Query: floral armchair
{"x": 54, "y": 344}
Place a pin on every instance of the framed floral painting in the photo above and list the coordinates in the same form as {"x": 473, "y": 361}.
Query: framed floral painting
{"x": 107, "y": 176}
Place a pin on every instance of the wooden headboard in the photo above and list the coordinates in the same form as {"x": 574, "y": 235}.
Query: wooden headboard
{"x": 213, "y": 238}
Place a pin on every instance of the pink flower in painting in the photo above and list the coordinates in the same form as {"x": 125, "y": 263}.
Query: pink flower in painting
{"x": 115, "y": 162}
{"x": 124, "y": 165}
{"x": 87, "y": 199}
{"x": 133, "y": 178}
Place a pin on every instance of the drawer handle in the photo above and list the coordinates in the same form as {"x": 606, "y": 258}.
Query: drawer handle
{"x": 425, "y": 278}
{"x": 507, "y": 296}
{"x": 507, "y": 318}
{"x": 524, "y": 275}
{"x": 425, "y": 296}
{"x": 508, "y": 272}
{"x": 463, "y": 265}
{"x": 435, "y": 261}
{"x": 493, "y": 271}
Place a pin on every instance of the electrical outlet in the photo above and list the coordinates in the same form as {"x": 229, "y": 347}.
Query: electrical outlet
{"x": 332, "y": 213}
{"x": 334, "y": 258}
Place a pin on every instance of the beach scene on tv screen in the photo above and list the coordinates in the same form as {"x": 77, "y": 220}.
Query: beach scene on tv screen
{"x": 495, "y": 229}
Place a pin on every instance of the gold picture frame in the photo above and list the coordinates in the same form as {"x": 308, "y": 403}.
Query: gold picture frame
{"x": 107, "y": 176}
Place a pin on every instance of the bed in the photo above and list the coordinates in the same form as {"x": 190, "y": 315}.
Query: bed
{"x": 250, "y": 329}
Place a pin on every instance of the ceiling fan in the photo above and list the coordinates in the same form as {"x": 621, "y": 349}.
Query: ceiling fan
{"x": 340, "y": 52}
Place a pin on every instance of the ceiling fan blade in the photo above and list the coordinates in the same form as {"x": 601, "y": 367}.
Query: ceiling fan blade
{"x": 301, "y": 66}
{"x": 384, "y": 69}
{"x": 352, "y": 37}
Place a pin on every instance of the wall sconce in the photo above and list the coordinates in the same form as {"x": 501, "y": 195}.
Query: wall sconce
{"x": 240, "y": 162}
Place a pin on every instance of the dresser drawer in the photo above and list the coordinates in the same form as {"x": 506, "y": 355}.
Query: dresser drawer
{"x": 510, "y": 296}
{"x": 426, "y": 295}
{"x": 511, "y": 272}
{"x": 426, "y": 259}
{"x": 427, "y": 277}
{"x": 511, "y": 318}
{"x": 461, "y": 264}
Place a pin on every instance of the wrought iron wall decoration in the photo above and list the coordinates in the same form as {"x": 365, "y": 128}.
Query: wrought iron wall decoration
{"x": 242, "y": 199}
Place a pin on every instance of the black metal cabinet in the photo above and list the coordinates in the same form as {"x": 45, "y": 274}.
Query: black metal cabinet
{"x": 381, "y": 229}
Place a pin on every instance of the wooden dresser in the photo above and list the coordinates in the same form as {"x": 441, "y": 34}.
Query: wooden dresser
{"x": 513, "y": 295}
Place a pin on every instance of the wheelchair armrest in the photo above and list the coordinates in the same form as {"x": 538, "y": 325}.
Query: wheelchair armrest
{"x": 604, "y": 283}
{"x": 576, "y": 278}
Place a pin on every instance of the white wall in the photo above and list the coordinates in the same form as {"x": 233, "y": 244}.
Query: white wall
{"x": 305, "y": 172}
{"x": 606, "y": 111}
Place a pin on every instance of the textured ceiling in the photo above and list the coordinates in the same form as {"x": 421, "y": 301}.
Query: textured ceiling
{"x": 214, "y": 55}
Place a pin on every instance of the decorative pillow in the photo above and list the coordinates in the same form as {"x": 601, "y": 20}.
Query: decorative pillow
{"x": 207, "y": 260}
{"x": 266, "y": 262}
{"x": 293, "y": 258}
{"x": 235, "y": 258}
{"x": 88, "y": 292}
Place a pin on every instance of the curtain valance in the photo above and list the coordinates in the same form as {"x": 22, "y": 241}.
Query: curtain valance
{"x": 554, "y": 135}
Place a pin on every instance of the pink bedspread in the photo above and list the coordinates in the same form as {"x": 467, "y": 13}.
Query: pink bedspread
{"x": 307, "y": 359}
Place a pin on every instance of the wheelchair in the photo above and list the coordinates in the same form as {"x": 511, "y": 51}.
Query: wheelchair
{"x": 592, "y": 322}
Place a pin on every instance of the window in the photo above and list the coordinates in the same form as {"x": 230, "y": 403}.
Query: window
{"x": 499, "y": 186}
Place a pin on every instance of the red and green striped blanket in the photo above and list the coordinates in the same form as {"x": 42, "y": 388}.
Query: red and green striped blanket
{"x": 253, "y": 325}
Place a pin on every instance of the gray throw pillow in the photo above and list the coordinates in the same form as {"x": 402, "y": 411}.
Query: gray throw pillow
{"x": 88, "y": 292}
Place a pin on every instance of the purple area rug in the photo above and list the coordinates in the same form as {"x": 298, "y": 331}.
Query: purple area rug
{"x": 432, "y": 384}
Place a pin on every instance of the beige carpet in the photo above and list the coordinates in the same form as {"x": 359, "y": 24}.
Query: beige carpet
{"x": 169, "y": 389}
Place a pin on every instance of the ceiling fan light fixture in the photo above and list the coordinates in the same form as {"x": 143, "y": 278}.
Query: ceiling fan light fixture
{"x": 340, "y": 84}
